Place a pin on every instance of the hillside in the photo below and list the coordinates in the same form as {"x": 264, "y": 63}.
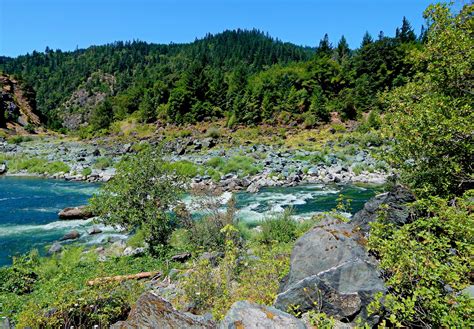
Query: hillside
{"x": 242, "y": 76}
{"x": 17, "y": 106}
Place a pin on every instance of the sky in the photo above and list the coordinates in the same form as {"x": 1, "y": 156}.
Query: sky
{"x": 27, "y": 25}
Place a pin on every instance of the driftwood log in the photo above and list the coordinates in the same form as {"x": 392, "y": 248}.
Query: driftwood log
{"x": 120, "y": 278}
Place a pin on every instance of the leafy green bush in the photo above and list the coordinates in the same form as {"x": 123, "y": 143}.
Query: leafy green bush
{"x": 59, "y": 296}
{"x": 426, "y": 263}
{"x": 102, "y": 163}
{"x": 431, "y": 117}
{"x": 140, "y": 196}
{"x": 86, "y": 172}
{"x": 213, "y": 132}
{"x": 20, "y": 277}
{"x": 280, "y": 228}
{"x": 183, "y": 168}
{"x": 18, "y": 139}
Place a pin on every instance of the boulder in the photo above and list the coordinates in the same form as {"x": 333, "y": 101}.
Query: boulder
{"x": 81, "y": 212}
{"x": 244, "y": 314}
{"x": 55, "y": 248}
{"x": 94, "y": 230}
{"x": 331, "y": 271}
{"x": 181, "y": 258}
{"x": 152, "y": 311}
{"x": 5, "y": 323}
{"x": 213, "y": 257}
{"x": 3, "y": 168}
{"x": 130, "y": 251}
{"x": 71, "y": 235}
{"x": 395, "y": 202}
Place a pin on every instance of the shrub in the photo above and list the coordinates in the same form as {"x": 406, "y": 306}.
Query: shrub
{"x": 213, "y": 132}
{"x": 86, "y": 172}
{"x": 426, "y": 263}
{"x": 206, "y": 232}
{"x": 102, "y": 163}
{"x": 140, "y": 196}
{"x": 18, "y": 139}
{"x": 280, "y": 228}
{"x": 183, "y": 168}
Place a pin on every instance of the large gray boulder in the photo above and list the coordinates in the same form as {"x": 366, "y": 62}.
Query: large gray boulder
{"x": 81, "y": 212}
{"x": 152, "y": 311}
{"x": 395, "y": 204}
{"x": 331, "y": 271}
{"x": 244, "y": 314}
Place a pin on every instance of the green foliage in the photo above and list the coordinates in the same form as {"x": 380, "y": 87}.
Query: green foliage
{"x": 140, "y": 195}
{"x": 244, "y": 76}
{"x": 34, "y": 165}
{"x": 254, "y": 279}
{"x": 102, "y": 163}
{"x": 431, "y": 117}
{"x": 19, "y": 278}
{"x": 213, "y": 132}
{"x": 281, "y": 228}
{"x": 182, "y": 168}
{"x": 427, "y": 262}
{"x": 58, "y": 295}
{"x": 17, "y": 139}
{"x": 86, "y": 171}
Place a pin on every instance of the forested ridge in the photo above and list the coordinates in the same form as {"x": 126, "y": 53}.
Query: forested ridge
{"x": 242, "y": 75}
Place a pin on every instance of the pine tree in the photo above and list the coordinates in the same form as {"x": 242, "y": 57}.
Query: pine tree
{"x": 406, "y": 33}
{"x": 366, "y": 39}
{"x": 342, "y": 50}
{"x": 325, "y": 47}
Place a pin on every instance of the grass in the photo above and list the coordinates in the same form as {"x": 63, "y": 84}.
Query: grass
{"x": 103, "y": 162}
{"x": 34, "y": 165}
{"x": 59, "y": 286}
{"x": 238, "y": 164}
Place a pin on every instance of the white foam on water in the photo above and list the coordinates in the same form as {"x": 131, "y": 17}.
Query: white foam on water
{"x": 8, "y": 230}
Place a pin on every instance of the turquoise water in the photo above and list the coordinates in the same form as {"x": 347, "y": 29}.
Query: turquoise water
{"x": 29, "y": 208}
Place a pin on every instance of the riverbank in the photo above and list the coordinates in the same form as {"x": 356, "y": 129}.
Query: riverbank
{"x": 227, "y": 162}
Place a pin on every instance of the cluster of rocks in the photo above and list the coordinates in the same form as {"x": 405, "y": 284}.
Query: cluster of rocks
{"x": 288, "y": 168}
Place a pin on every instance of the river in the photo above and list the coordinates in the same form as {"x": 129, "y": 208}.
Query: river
{"x": 29, "y": 208}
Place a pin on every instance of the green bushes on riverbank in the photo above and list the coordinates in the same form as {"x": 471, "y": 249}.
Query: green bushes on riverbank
{"x": 35, "y": 165}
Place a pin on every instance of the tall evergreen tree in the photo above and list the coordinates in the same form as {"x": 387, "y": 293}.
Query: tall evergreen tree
{"x": 406, "y": 33}
{"x": 325, "y": 47}
{"x": 342, "y": 49}
{"x": 366, "y": 39}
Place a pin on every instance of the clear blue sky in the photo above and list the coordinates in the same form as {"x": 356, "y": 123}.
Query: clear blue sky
{"x": 27, "y": 25}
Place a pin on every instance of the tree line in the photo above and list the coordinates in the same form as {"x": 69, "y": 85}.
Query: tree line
{"x": 244, "y": 76}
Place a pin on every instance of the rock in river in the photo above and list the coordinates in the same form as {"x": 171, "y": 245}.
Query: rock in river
{"x": 71, "y": 235}
{"x": 81, "y": 212}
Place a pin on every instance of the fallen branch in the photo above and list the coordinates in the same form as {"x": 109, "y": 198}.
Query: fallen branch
{"x": 120, "y": 278}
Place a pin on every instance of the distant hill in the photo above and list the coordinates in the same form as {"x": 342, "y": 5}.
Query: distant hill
{"x": 244, "y": 76}
{"x": 59, "y": 77}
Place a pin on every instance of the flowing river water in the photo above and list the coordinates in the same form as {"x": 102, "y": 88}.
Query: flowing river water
{"x": 29, "y": 209}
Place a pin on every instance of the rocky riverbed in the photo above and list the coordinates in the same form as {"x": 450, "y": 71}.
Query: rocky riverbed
{"x": 275, "y": 165}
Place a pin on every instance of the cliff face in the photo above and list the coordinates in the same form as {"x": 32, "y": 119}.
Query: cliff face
{"x": 17, "y": 106}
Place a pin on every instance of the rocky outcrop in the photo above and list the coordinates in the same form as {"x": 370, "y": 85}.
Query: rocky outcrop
{"x": 81, "y": 212}
{"x": 17, "y": 106}
{"x": 244, "y": 314}
{"x": 393, "y": 203}
{"x": 332, "y": 272}
{"x": 152, "y": 311}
